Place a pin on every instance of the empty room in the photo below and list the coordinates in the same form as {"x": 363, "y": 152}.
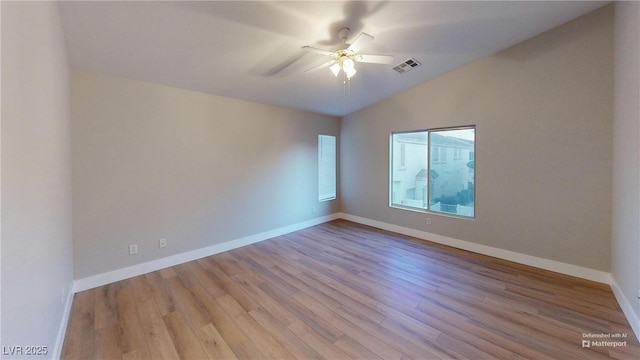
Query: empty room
{"x": 320, "y": 180}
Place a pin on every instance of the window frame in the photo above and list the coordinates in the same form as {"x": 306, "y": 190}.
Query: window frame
{"x": 428, "y": 209}
{"x": 323, "y": 197}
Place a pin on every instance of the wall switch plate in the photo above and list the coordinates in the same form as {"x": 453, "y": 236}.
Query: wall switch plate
{"x": 162, "y": 243}
{"x": 133, "y": 249}
{"x": 428, "y": 221}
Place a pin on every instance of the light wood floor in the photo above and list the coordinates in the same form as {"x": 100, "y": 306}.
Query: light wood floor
{"x": 346, "y": 291}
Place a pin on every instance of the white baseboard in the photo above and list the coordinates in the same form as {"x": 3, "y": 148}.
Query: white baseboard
{"x": 627, "y": 308}
{"x": 56, "y": 352}
{"x": 552, "y": 265}
{"x": 139, "y": 269}
{"x": 563, "y": 268}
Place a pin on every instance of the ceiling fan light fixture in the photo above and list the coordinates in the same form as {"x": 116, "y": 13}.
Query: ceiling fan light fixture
{"x": 335, "y": 69}
{"x": 348, "y": 65}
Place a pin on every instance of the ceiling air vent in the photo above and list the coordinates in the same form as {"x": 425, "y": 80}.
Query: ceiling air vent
{"x": 407, "y": 65}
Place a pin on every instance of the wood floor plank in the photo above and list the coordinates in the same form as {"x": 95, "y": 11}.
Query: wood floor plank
{"x": 228, "y": 264}
{"x": 183, "y": 338}
{"x": 161, "y": 294}
{"x": 230, "y": 288}
{"x": 131, "y": 338}
{"x": 281, "y": 333}
{"x": 247, "y": 351}
{"x": 465, "y": 349}
{"x": 105, "y": 306}
{"x": 228, "y": 329}
{"x": 412, "y": 345}
{"x": 106, "y": 343}
{"x": 205, "y": 280}
{"x": 156, "y": 333}
{"x": 241, "y": 346}
{"x": 261, "y": 258}
{"x": 252, "y": 329}
{"x": 79, "y": 339}
{"x": 320, "y": 344}
{"x": 193, "y": 309}
{"x": 186, "y": 276}
{"x": 347, "y": 296}
{"x": 354, "y": 349}
{"x": 356, "y": 333}
{"x": 167, "y": 273}
{"x": 276, "y": 248}
{"x": 289, "y": 275}
{"x": 315, "y": 322}
{"x": 277, "y": 310}
{"x": 213, "y": 343}
{"x": 454, "y": 325}
{"x": 269, "y": 275}
{"x": 142, "y": 289}
{"x": 342, "y": 290}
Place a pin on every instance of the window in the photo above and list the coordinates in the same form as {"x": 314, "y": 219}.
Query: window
{"x": 423, "y": 179}
{"x": 435, "y": 154}
{"x": 457, "y": 154}
{"x": 326, "y": 167}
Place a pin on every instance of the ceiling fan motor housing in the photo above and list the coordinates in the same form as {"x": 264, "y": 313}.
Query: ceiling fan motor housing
{"x": 345, "y": 54}
{"x": 343, "y": 34}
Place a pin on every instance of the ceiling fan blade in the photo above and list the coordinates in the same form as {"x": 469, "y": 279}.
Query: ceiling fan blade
{"x": 317, "y": 51}
{"x": 322, "y": 66}
{"x": 362, "y": 40}
{"x": 375, "y": 59}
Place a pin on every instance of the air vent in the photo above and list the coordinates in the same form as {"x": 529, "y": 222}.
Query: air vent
{"x": 407, "y": 65}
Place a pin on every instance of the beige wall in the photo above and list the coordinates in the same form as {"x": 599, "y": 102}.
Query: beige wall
{"x": 542, "y": 111}
{"x": 37, "y": 258}
{"x": 153, "y": 162}
{"x": 625, "y": 263}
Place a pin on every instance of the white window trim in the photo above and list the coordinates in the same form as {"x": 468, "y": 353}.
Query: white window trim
{"x": 428, "y": 210}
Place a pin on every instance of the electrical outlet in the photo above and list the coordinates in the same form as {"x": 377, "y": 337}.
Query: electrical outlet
{"x": 428, "y": 221}
{"x": 162, "y": 243}
{"x": 133, "y": 249}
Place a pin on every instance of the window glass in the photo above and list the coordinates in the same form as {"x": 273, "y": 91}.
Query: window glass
{"x": 408, "y": 169}
{"x": 452, "y": 183}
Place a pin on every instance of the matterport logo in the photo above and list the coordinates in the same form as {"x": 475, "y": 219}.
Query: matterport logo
{"x": 590, "y": 340}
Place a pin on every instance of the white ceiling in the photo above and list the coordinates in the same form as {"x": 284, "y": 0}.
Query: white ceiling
{"x": 251, "y": 50}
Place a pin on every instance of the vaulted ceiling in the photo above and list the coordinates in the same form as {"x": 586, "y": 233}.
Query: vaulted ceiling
{"x": 252, "y": 50}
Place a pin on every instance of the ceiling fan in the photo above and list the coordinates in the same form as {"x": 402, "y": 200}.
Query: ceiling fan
{"x": 346, "y": 56}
